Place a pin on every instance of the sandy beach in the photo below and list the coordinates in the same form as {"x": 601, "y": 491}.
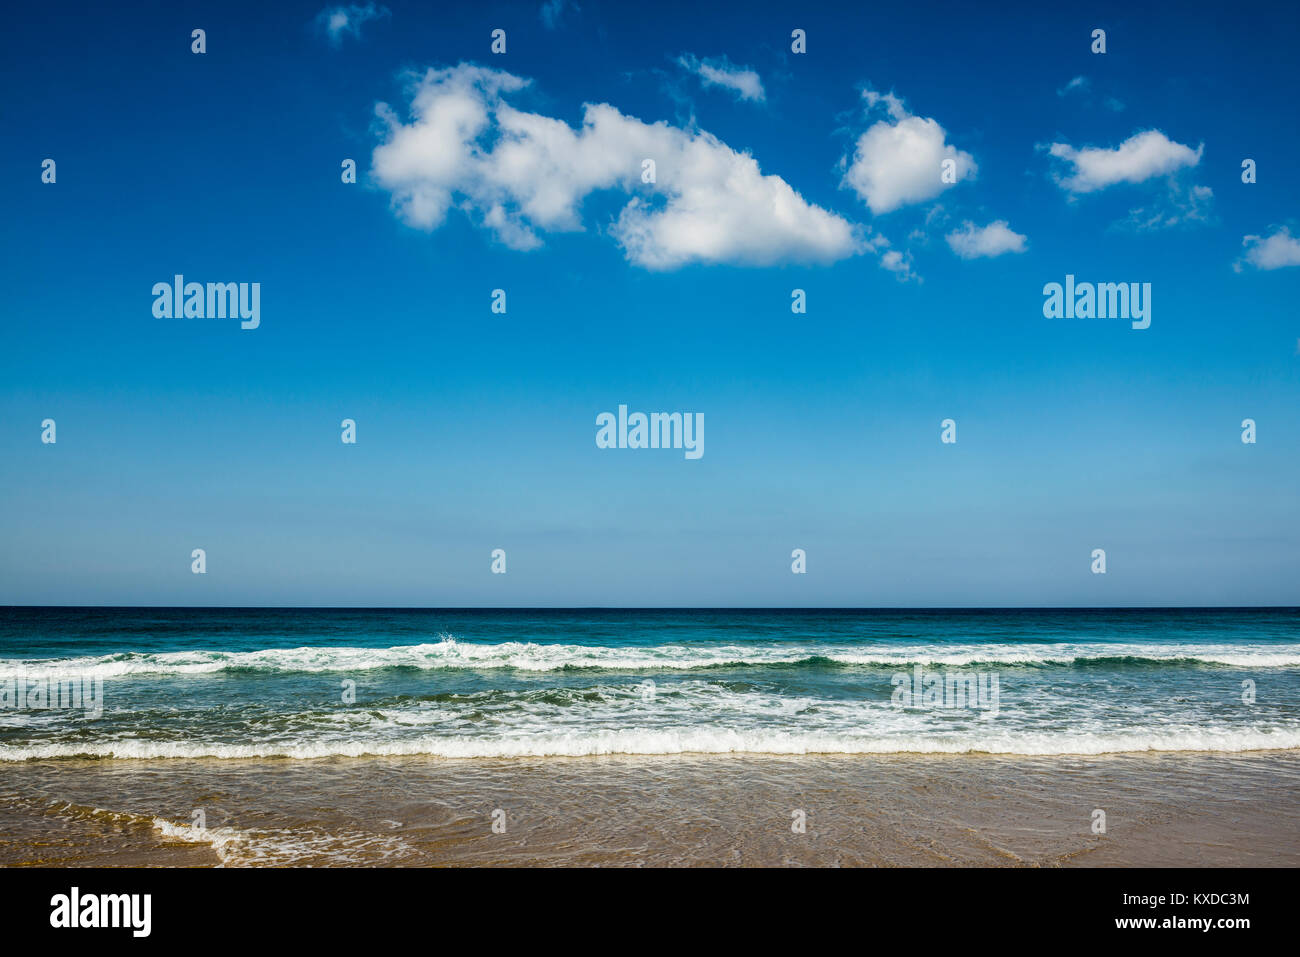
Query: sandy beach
{"x": 859, "y": 810}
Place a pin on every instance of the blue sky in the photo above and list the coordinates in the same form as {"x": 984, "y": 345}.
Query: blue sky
{"x": 477, "y": 430}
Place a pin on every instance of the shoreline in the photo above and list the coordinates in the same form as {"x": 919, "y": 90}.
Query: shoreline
{"x": 1161, "y": 809}
{"x": 92, "y": 760}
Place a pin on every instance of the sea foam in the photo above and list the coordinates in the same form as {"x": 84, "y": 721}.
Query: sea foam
{"x": 450, "y": 653}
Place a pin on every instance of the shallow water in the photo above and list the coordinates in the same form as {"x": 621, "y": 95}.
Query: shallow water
{"x": 858, "y": 810}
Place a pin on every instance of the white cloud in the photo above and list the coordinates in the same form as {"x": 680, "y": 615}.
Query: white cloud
{"x": 1183, "y": 206}
{"x": 338, "y": 21}
{"x": 522, "y": 174}
{"x": 1140, "y": 157}
{"x": 742, "y": 81}
{"x": 1079, "y": 84}
{"x": 899, "y": 159}
{"x": 1081, "y": 87}
{"x": 974, "y": 242}
{"x": 552, "y": 12}
{"x": 1270, "y": 252}
{"x": 900, "y": 264}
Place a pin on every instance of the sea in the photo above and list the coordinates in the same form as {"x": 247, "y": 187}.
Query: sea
{"x": 303, "y": 683}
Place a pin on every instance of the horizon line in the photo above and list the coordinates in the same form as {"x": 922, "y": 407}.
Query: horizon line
{"x": 661, "y": 608}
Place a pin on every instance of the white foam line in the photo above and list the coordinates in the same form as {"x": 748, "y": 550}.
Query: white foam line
{"x": 528, "y": 656}
{"x": 686, "y": 741}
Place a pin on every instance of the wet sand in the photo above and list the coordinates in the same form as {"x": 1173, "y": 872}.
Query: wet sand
{"x": 889, "y": 810}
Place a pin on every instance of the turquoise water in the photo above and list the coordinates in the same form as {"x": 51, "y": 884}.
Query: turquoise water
{"x": 301, "y": 683}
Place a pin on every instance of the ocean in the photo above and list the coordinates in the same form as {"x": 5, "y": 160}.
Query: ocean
{"x": 305, "y": 683}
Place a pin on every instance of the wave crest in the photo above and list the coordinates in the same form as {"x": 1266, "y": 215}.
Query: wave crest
{"x": 449, "y": 654}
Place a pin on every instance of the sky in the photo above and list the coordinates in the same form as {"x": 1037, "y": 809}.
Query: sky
{"x": 774, "y": 171}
